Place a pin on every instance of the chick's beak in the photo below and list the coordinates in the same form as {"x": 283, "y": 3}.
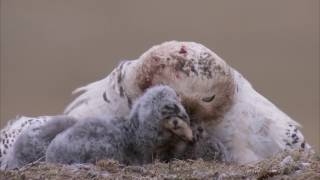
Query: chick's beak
{"x": 188, "y": 134}
{"x": 181, "y": 128}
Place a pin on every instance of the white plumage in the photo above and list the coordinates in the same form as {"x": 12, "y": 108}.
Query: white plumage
{"x": 254, "y": 128}
{"x": 14, "y": 127}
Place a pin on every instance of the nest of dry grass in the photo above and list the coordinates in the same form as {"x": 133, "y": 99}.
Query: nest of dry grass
{"x": 293, "y": 165}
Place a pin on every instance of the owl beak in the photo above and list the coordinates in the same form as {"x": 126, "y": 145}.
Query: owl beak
{"x": 188, "y": 134}
{"x": 180, "y": 128}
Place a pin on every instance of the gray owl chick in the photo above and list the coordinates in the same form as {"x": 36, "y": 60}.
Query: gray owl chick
{"x": 32, "y": 143}
{"x": 203, "y": 146}
{"x": 206, "y": 147}
{"x": 155, "y": 119}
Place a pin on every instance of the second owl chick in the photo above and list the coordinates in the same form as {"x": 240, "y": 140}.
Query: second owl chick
{"x": 204, "y": 146}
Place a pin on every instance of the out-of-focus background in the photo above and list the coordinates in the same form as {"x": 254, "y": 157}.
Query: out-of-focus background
{"x": 49, "y": 48}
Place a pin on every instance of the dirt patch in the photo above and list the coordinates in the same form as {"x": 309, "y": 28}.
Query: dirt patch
{"x": 294, "y": 165}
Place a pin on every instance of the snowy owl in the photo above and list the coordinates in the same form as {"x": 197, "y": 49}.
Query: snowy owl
{"x": 248, "y": 125}
{"x": 32, "y": 143}
{"x": 155, "y": 118}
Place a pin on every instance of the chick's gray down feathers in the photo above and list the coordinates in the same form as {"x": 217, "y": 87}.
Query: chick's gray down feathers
{"x": 32, "y": 143}
{"x": 206, "y": 147}
{"x": 131, "y": 141}
{"x": 157, "y": 127}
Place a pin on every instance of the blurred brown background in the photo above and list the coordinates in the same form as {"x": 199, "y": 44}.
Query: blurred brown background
{"x": 49, "y": 48}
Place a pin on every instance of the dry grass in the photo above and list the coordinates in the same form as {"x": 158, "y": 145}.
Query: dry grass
{"x": 294, "y": 165}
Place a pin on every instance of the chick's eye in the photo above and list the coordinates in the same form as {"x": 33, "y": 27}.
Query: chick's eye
{"x": 183, "y": 117}
{"x": 208, "y": 99}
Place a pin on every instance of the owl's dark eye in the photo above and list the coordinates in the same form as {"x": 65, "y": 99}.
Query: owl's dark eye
{"x": 208, "y": 99}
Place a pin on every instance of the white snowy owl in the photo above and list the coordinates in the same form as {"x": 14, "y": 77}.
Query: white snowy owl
{"x": 250, "y": 126}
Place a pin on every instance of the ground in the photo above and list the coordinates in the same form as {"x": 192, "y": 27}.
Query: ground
{"x": 293, "y": 165}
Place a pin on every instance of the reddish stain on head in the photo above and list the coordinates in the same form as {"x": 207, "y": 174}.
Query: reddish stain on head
{"x": 182, "y": 50}
{"x": 177, "y": 76}
{"x": 157, "y": 59}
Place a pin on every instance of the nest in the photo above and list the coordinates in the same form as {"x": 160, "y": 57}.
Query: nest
{"x": 286, "y": 165}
